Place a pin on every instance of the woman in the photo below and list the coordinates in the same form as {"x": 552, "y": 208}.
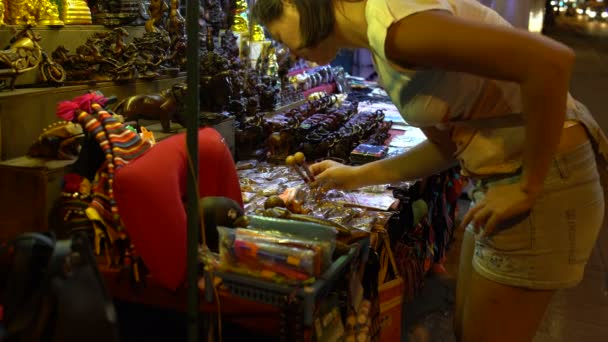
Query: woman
{"x": 495, "y": 100}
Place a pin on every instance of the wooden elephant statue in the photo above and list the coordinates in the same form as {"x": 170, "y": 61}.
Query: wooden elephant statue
{"x": 164, "y": 106}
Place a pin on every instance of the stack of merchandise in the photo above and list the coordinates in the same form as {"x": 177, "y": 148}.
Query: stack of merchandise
{"x": 365, "y": 153}
{"x": 275, "y": 255}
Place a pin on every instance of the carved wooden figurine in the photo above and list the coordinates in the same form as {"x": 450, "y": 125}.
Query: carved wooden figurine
{"x": 164, "y": 106}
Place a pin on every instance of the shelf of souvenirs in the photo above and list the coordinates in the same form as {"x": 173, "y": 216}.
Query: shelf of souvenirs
{"x": 63, "y": 28}
{"x": 83, "y": 86}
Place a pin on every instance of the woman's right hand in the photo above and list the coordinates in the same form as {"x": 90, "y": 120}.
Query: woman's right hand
{"x": 330, "y": 174}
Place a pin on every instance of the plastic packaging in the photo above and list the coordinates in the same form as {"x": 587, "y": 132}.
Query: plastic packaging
{"x": 273, "y": 255}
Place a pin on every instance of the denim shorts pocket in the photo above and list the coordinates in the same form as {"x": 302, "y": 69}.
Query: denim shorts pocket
{"x": 515, "y": 235}
{"x": 584, "y": 223}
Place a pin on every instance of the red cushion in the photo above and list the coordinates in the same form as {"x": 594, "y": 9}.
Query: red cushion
{"x": 150, "y": 190}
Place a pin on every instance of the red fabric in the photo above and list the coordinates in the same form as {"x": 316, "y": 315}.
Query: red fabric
{"x": 150, "y": 190}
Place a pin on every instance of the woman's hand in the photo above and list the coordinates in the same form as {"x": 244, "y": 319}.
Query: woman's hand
{"x": 501, "y": 203}
{"x": 333, "y": 175}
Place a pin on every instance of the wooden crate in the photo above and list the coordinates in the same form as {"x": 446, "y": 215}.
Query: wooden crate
{"x": 28, "y": 190}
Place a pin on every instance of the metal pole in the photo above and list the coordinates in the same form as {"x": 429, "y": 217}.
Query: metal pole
{"x": 192, "y": 114}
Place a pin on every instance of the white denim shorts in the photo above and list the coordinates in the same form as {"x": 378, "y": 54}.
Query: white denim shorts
{"x": 549, "y": 247}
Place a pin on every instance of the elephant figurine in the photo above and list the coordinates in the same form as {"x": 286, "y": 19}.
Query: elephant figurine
{"x": 164, "y": 106}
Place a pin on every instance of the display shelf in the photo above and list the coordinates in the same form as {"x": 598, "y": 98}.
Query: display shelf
{"x": 76, "y": 86}
{"x": 29, "y": 186}
{"x": 69, "y": 36}
{"x": 24, "y": 113}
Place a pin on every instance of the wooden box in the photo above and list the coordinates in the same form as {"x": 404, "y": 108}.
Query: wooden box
{"x": 28, "y": 190}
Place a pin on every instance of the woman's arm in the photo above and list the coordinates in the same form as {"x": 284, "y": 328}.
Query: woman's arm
{"x": 430, "y": 156}
{"x": 540, "y": 65}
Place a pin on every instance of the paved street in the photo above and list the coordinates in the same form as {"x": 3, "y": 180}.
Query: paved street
{"x": 590, "y": 75}
{"x": 580, "y": 24}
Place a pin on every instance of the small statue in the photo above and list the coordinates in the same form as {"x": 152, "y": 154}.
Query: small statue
{"x": 251, "y": 107}
{"x": 215, "y": 16}
{"x": 237, "y": 108}
{"x": 216, "y": 91}
{"x": 272, "y": 68}
{"x": 176, "y": 27}
{"x": 258, "y": 34}
{"x": 48, "y": 14}
{"x": 2, "y": 13}
{"x": 177, "y": 23}
{"x": 60, "y": 140}
{"x": 229, "y": 45}
{"x": 210, "y": 43}
{"x": 238, "y": 21}
{"x": 279, "y": 144}
{"x": 240, "y": 25}
{"x": 142, "y": 13}
{"x": 2, "y": 23}
{"x": 21, "y": 12}
{"x": 163, "y": 106}
{"x": 76, "y": 12}
{"x": 241, "y": 6}
{"x": 157, "y": 10}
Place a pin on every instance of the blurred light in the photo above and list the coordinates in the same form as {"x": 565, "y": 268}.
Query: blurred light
{"x": 535, "y": 20}
{"x": 580, "y": 11}
{"x": 553, "y": 3}
{"x": 592, "y": 14}
{"x": 604, "y": 15}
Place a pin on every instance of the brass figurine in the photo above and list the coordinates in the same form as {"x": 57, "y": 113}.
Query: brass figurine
{"x": 21, "y": 12}
{"x": 258, "y": 34}
{"x": 2, "y": 13}
{"x": 76, "y": 12}
{"x": 177, "y": 32}
{"x": 47, "y": 13}
{"x": 142, "y": 13}
{"x": 177, "y": 23}
{"x": 25, "y": 54}
{"x": 156, "y": 9}
{"x": 241, "y": 24}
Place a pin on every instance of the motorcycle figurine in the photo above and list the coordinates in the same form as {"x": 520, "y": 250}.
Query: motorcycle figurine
{"x": 24, "y": 54}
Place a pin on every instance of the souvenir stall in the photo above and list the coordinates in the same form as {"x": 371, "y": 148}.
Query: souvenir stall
{"x": 269, "y": 253}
